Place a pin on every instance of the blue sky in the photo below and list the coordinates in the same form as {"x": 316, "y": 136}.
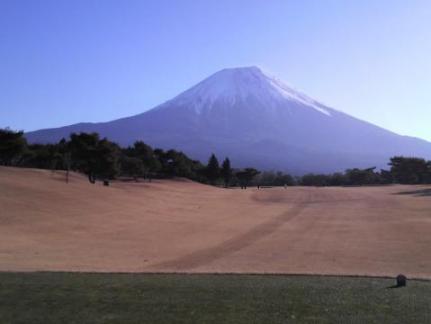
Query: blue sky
{"x": 63, "y": 62}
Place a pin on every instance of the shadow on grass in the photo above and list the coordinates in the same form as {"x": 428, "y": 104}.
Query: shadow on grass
{"x": 417, "y": 193}
{"x": 395, "y": 286}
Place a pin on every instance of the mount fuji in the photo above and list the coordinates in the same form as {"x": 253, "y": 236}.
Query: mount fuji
{"x": 256, "y": 120}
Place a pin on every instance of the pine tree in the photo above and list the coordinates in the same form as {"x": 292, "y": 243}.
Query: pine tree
{"x": 213, "y": 169}
{"x": 226, "y": 172}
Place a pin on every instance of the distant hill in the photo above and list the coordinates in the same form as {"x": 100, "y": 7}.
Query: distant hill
{"x": 257, "y": 121}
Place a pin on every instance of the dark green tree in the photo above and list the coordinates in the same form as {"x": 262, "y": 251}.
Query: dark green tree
{"x": 226, "y": 172}
{"x": 337, "y": 179}
{"x": 246, "y": 176}
{"x": 107, "y": 159}
{"x": 12, "y": 147}
{"x": 271, "y": 178}
{"x": 360, "y": 177}
{"x": 317, "y": 180}
{"x": 212, "y": 171}
{"x": 84, "y": 155}
{"x": 148, "y": 157}
{"x": 132, "y": 166}
{"x": 94, "y": 157}
{"x": 410, "y": 170}
{"x": 42, "y": 156}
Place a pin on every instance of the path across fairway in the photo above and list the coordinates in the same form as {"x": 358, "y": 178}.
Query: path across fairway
{"x": 232, "y": 245}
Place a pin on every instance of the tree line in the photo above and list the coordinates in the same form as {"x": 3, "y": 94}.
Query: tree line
{"x": 403, "y": 170}
{"x": 101, "y": 159}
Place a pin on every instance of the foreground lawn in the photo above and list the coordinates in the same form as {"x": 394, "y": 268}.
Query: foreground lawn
{"x": 145, "y": 298}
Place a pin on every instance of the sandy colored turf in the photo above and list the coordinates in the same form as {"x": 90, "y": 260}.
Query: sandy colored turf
{"x": 181, "y": 226}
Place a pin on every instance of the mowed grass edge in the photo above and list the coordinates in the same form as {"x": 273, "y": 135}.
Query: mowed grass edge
{"x": 55, "y": 297}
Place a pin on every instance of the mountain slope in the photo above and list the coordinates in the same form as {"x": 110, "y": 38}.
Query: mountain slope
{"x": 258, "y": 121}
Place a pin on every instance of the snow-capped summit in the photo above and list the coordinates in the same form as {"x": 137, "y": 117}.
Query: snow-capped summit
{"x": 242, "y": 84}
{"x": 256, "y": 120}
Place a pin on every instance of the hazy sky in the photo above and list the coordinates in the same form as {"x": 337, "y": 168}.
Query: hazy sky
{"x": 63, "y": 62}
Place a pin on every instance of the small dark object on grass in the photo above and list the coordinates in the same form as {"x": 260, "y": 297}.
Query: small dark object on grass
{"x": 106, "y": 182}
{"x": 401, "y": 280}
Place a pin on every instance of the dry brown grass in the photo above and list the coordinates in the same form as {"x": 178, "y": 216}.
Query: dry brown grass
{"x": 171, "y": 226}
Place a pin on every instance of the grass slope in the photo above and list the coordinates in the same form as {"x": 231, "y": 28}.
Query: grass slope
{"x": 181, "y": 226}
{"x": 148, "y": 298}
